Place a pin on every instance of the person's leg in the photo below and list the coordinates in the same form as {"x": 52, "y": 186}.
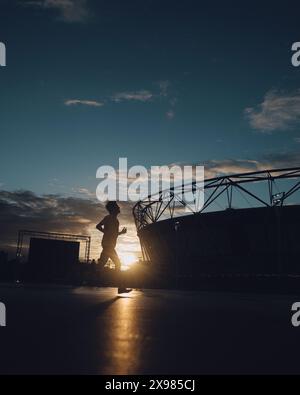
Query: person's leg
{"x": 116, "y": 260}
{"x": 103, "y": 258}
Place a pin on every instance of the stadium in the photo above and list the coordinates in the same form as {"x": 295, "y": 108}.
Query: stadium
{"x": 248, "y": 227}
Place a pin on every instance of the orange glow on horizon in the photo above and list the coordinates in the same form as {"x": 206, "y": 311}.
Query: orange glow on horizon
{"x": 127, "y": 260}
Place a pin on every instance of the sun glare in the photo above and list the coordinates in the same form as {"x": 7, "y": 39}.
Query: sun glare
{"x": 127, "y": 261}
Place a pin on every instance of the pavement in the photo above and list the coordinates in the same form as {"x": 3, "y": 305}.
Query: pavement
{"x": 65, "y": 330}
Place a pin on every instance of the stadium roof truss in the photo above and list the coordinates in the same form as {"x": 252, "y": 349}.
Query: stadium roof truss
{"x": 167, "y": 203}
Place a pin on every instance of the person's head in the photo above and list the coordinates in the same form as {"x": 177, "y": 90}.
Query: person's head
{"x": 112, "y": 207}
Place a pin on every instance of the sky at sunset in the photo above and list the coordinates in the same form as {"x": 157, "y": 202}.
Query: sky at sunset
{"x": 156, "y": 81}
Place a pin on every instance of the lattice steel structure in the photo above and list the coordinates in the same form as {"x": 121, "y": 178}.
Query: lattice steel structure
{"x": 54, "y": 236}
{"x": 151, "y": 209}
{"x": 168, "y": 204}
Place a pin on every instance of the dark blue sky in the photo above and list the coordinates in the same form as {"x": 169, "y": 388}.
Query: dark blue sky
{"x": 171, "y": 81}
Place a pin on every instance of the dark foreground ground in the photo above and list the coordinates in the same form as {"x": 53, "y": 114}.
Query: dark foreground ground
{"x": 59, "y": 330}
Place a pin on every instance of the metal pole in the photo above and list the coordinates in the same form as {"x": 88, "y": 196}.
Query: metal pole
{"x": 177, "y": 225}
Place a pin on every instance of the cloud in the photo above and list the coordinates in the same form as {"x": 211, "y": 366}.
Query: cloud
{"x": 51, "y": 212}
{"x": 173, "y": 101}
{"x": 164, "y": 87}
{"x": 278, "y": 111}
{"x": 214, "y": 168}
{"x": 141, "y": 96}
{"x": 54, "y": 213}
{"x": 90, "y": 103}
{"x": 79, "y": 214}
{"x": 84, "y": 192}
{"x": 170, "y": 114}
{"x": 222, "y": 167}
{"x": 70, "y": 11}
{"x": 280, "y": 160}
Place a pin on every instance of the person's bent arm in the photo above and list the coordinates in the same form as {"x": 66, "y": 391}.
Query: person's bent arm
{"x": 100, "y": 226}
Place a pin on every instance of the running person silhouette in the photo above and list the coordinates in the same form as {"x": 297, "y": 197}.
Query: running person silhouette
{"x": 109, "y": 226}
